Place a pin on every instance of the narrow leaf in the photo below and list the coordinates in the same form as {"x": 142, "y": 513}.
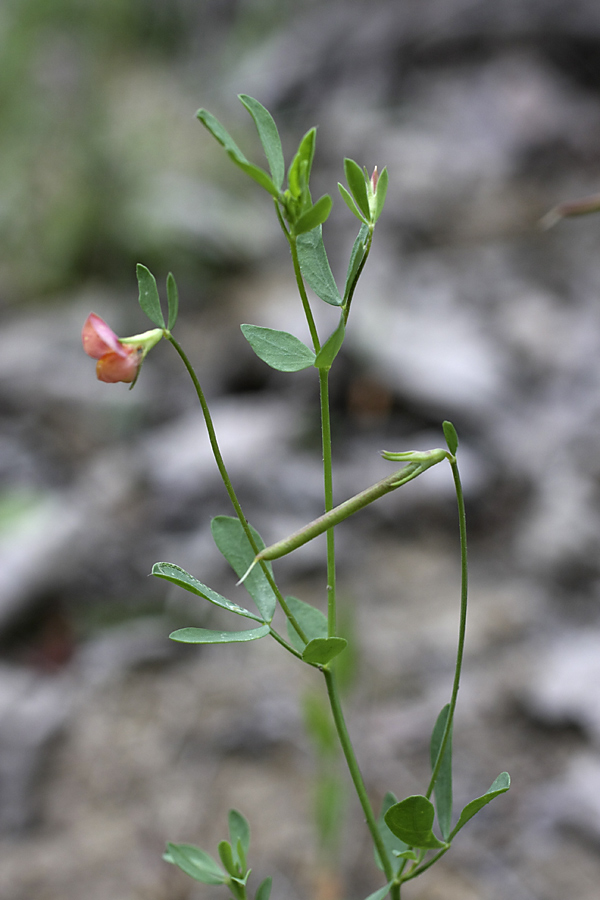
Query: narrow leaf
{"x": 315, "y": 216}
{"x": 347, "y": 198}
{"x": 279, "y": 349}
{"x": 381, "y": 893}
{"x": 207, "y": 636}
{"x": 331, "y": 347}
{"x": 239, "y": 829}
{"x": 392, "y": 844}
{"x": 149, "y": 299}
{"x": 382, "y": 186}
{"x": 195, "y": 863}
{"x": 269, "y": 137}
{"x": 356, "y": 257}
{"x": 173, "y": 300}
{"x": 320, "y": 651}
{"x": 451, "y": 437}
{"x": 312, "y": 621}
{"x": 411, "y": 820}
{"x": 301, "y": 165}
{"x": 184, "y": 580}
{"x": 315, "y": 267}
{"x": 443, "y": 783}
{"x": 500, "y": 786}
{"x": 226, "y": 855}
{"x": 231, "y": 540}
{"x": 264, "y": 889}
{"x": 358, "y": 188}
{"x": 235, "y": 154}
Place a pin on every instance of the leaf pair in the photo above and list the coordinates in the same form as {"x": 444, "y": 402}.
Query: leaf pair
{"x": 150, "y": 300}
{"x": 233, "y": 853}
{"x": 233, "y": 543}
{"x": 286, "y": 353}
{"x": 366, "y": 197}
{"x": 319, "y": 649}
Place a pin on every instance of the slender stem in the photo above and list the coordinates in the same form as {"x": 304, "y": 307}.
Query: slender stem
{"x": 355, "y": 774}
{"x": 462, "y": 520}
{"x": 212, "y": 436}
{"x": 302, "y": 290}
{"x": 328, "y": 485}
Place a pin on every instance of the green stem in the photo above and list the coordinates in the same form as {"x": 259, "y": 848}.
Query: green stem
{"x": 355, "y": 774}
{"x": 328, "y": 485}
{"x": 302, "y": 290}
{"x": 462, "y": 520}
{"x": 212, "y": 436}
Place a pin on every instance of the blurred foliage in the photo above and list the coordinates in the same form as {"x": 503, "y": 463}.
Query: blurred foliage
{"x": 97, "y": 105}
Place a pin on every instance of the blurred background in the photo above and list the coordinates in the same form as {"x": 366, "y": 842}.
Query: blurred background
{"x": 112, "y": 738}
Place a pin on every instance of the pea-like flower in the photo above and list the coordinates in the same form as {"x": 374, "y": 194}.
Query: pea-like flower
{"x": 119, "y": 359}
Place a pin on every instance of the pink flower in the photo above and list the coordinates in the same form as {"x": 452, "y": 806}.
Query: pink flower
{"x": 117, "y": 361}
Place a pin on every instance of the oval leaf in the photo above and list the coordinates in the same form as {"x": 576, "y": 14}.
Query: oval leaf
{"x": 451, "y": 437}
{"x": 347, "y": 198}
{"x": 183, "y": 579}
{"x": 231, "y": 540}
{"x": 316, "y": 215}
{"x": 206, "y": 636}
{"x": 311, "y": 620}
{"x": 500, "y": 786}
{"x": 411, "y": 820}
{"x": 392, "y": 844}
{"x": 280, "y": 350}
{"x": 315, "y": 267}
{"x": 358, "y": 188}
{"x": 195, "y": 863}
{"x": 269, "y": 137}
{"x": 320, "y": 651}
{"x": 331, "y": 347}
{"x": 264, "y": 889}
{"x": 356, "y": 257}
{"x": 382, "y": 186}
{"x": 149, "y": 299}
{"x": 239, "y": 830}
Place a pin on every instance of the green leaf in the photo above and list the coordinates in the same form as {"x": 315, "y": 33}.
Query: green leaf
{"x": 356, "y": 257}
{"x": 173, "y": 300}
{"x": 149, "y": 299}
{"x": 206, "y": 636}
{"x": 315, "y": 267}
{"x": 226, "y": 855}
{"x": 320, "y": 651}
{"x": 358, "y": 188}
{"x": 443, "y": 783}
{"x": 500, "y": 786}
{"x": 381, "y": 893}
{"x": 239, "y": 830}
{"x": 280, "y": 350}
{"x": 451, "y": 437}
{"x": 382, "y": 186}
{"x": 411, "y": 820}
{"x": 310, "y": 619}
{"x": 264, "y": 889}
{"x": 301, "y": 165}
{"x": 331, "y": 347}
{"x": 195, "y": 863}
{"x": 347, "y": 198}
{"x": 314, "y": 216}
{"x": 269, "y": 137}
{"x": 231, "y": 540}
{"x": 235, "y": 154}
{"x": 183, "y": 579}
{"x": 392, "y": 844}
